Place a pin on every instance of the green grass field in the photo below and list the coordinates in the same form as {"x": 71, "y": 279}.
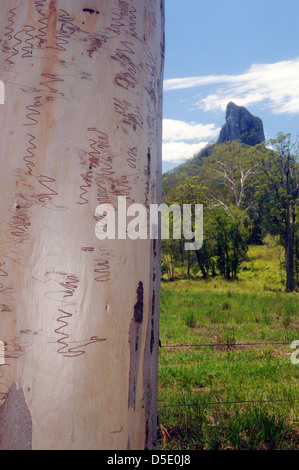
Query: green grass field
{"x": 229, "y": 396}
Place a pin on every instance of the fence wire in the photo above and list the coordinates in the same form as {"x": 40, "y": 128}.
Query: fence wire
{"x": 241, "y": 402}
{"x": 215, "y": 403}
{"x": 218, "y": 344}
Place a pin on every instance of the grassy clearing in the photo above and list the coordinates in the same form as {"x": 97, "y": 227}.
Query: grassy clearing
{"x": 253, "y": 309}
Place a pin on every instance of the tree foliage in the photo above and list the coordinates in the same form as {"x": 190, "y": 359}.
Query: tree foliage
{"x": 246, "y": 192}
{"x": 278, "y": 191}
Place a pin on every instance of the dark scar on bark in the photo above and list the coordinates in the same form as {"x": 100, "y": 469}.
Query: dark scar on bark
{"x": 138, "y": 307}
{"x": 91, "y": 11}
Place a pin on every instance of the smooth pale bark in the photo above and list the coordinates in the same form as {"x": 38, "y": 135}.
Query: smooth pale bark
{"x": 81, "y": 125}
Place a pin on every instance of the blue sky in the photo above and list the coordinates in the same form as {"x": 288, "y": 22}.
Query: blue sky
{"x": 228, "y": 50}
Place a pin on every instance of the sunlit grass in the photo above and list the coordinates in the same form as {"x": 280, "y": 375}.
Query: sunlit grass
{"x": 253, "y": 309}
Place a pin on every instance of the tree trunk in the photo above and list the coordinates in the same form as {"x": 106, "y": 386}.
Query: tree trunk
{"x": 289, "y": 254}
{"x": 289, "y": 235}
{"x": 81, "y": 125}
{"x": 188, "y": 263}
{"x": 172, "y": 267}
{"x": 201, "y": 265}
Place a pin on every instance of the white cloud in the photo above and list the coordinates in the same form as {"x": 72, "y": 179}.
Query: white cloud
{"x": 275, "y": 85}
{"x": 174, "y": 131}
{"x": 178, "y": 152}
{"x": 191, "y": 82}
{"x": 181, "y": 140}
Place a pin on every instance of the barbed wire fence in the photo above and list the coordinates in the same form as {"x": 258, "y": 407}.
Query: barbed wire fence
{"x": 230, "y": 402}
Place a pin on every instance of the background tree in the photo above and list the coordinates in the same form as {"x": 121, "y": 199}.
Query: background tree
{"x": 278, "y": 191}
{"x": 227, "y": 237}
{"x": 230, "y": 173}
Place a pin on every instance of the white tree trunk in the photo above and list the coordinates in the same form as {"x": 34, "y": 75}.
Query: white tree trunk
{"x": 81, "y": 125}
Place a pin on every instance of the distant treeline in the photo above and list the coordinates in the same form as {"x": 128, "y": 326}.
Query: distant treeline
{"x": 246, "y": 193}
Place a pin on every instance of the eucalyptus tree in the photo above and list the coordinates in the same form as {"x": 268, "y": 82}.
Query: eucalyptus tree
{"x": 81, "y": 126}
{"x": 279, "y": 190}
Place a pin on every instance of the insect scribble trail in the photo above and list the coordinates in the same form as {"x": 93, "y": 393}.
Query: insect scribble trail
{"x": 7, "y": 294}
{"x": 87, "y": 178}
{"x": 67, "y": 308}
{"x": 28, "y": 159}
{"x": 33, "y": 112}
{"x": 6, "y": 48}
{"x": 29, "y": 41}
{"x": 41, "y": 37}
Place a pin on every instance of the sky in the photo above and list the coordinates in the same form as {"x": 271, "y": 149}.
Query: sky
{"x": 219, "y": 51}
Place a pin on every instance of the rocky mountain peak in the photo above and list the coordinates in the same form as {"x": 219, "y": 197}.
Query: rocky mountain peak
{"x": 242, "y": 125}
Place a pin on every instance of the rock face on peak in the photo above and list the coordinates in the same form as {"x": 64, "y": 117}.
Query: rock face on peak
{"x": 242, "y": 125}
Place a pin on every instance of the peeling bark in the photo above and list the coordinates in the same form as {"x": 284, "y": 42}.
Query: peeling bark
{"x": 15, "y": 422}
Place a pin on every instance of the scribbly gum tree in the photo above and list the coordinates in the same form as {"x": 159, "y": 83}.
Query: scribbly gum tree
{"x": 81, "y": 125}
